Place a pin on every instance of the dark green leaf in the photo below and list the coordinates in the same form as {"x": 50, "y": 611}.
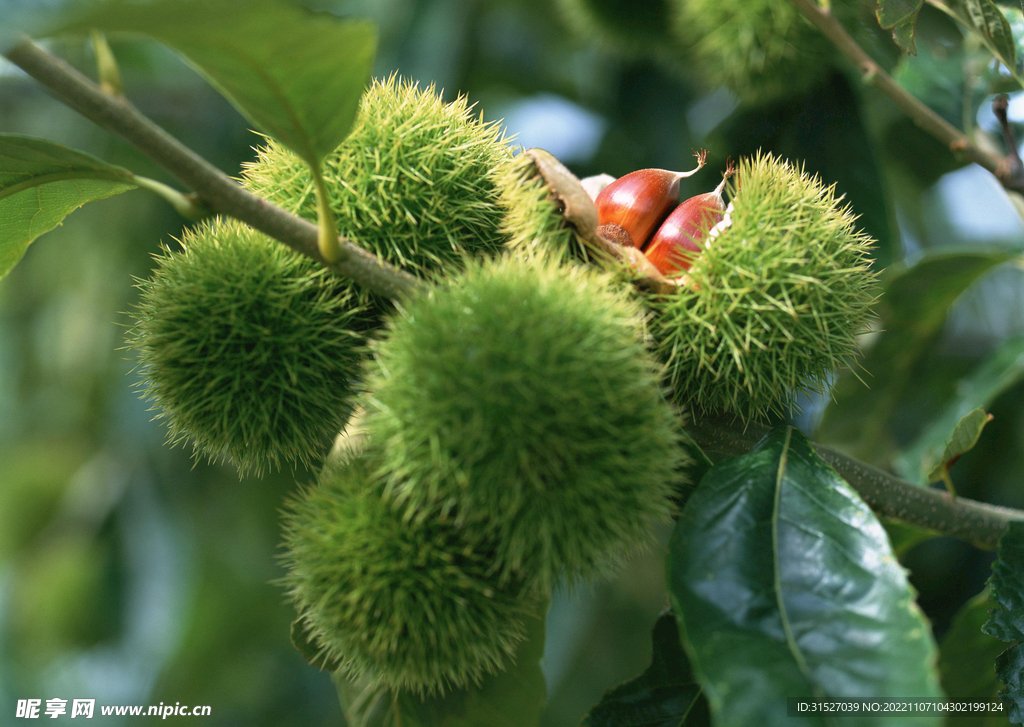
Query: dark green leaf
{"x": 666, "y": 695}
{"x": 1010, "y": 668}
{"x": 900, "y": 16}
{"x": 696, "y": 467}
{"x": 512, "y": 698}
{"x": 1006, "y": 622}
{"x": 987, "y": 20}
{"x": 913, "y": 309}
{"x": 296, "y": 75}
{"x": 967, "y": 661}
{"x": 980, "y": 388}
{"x": 785, "y": 585}
{"x": 41, "y": 183}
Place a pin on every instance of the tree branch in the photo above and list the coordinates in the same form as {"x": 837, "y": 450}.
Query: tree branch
{"x": 975, "y": 522}
{"x": 215, "y": 190}
{"x": 920, "y": 114}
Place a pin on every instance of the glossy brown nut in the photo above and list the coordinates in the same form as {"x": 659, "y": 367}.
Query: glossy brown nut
{"x": 680, "y": 237}
{"x": 639, "y": 202}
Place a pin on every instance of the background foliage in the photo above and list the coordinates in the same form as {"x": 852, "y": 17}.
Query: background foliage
{"x": 130, "y": 573}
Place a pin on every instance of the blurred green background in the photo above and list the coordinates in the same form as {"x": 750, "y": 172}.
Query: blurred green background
{"x": 132, "y": 574}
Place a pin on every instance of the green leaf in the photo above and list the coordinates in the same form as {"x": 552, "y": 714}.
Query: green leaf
{"x": 665, "y": 695}
{"x": 296, "y": 75}
{"x": 900, "y": 16}
{"x": 965, "y": 435}
{"x": 1015, "y": 17}
{"x": 1000, "y": 371}
{"x": 41, "y": 183}
{"x": 1006, "y": 622}
{"x": 985, "y": 18}
{"x": 966, "y": 661}
{"x": 913, "y": 309}
{"x": 697, "y": 465}
{"x": 511, "y": 698}
{"x": 785, "y": 585}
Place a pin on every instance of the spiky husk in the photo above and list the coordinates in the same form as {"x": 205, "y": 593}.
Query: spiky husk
{"x": 634, "y": 29}
{"x": 249, "y": 349}
{"x": 520, "y": 399}
{"x": 532, "y": 222}
{"x": 413, "y": 605}
{"x": 413, "y": 182}
{"x": 774, "y": 303}
{"x": 761, "y": 50}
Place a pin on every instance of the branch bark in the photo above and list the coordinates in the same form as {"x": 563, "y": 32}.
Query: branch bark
{"x": 976, "y": 522}
{"x": 216, "y": 190}
{"x": 924, "y": 117}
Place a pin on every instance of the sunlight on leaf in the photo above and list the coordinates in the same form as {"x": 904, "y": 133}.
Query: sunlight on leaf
{"x": 296, "y": 75}
{"x": 41, "y": 183}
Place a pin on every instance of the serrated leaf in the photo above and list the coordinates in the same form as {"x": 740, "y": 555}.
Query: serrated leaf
{"x": 967, "y": 661}
{"x": 511, "y": 698}
{"x": 913, "y": 309}
{"x": 900, "y": 16}
{"x": 785, "y": 585}
{"x": 965, "y": 435}
{"x": 1010, "y": 668}
{"x": 41, "y": 183}
{"x": 665, "y": 695}
{"x": 986, "y": 19}
{"x": 980, "y": 388}
{"x": 1006, "y": 621}
{"x": 296, "y": 75}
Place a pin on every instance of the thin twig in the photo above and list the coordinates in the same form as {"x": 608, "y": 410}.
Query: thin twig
{"x": 976, "y": 522}
{"x": 1014, "y": 166}
{"x": 920, "y": 114}
{"x": 215, "y": 190}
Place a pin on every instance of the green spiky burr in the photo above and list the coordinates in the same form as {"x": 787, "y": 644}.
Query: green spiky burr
{"x": 761, "y": 50}
{"x": 249, "y": 350}
{"x": 519, "y": 399}
{"x": 412, "y": 605}
{"x": 412, "y": 183}
{"x": 532, "y": 222}
{"x": 774, "y": 303}
{"x": 634, "y": 29}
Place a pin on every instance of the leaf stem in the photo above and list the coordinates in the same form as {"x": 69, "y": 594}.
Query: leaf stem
{"x": 106, "y": 65}
{"x": 920, "y": 114}
{"x": 187, "y": 205}
{"x": 976, "y": 522}
{"x": 220, "y": 193}
{"x": 327, "y": 242}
